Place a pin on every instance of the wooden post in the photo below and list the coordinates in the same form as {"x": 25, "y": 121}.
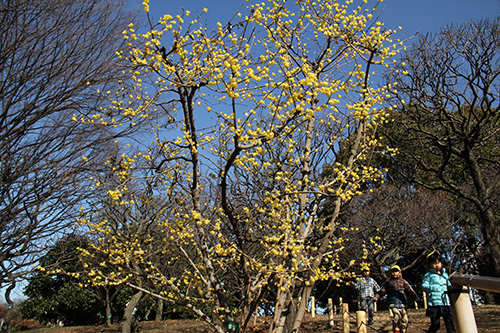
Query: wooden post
{"x": 425, "y": 300}
{"x": 341, "y": 303}
{"x": 361, "y": 321}
{"x": 345, "y": 317}
{"x": 313, "y": 307}
{"x": 463, "y": 314}
{"x": 255, "y": 317}
{"x": 330, "y": 312}
{"x": 375, "y": 306}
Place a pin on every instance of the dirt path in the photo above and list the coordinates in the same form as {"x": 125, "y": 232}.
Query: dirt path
{"x": 487, "y": 320}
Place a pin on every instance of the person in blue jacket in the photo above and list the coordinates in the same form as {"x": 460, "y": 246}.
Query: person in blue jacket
{"x": 435, "y": 284}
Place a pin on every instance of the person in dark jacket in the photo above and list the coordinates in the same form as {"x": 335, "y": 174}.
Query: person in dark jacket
{"x": 398, "y": 290}
{"x": 435, "y": 284}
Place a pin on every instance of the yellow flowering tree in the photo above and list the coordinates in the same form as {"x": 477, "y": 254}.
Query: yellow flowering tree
{"x": 245, "y": 117}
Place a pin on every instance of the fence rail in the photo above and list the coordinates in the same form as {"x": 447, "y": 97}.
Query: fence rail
{"x": 460, "y": 301}
{"x": 485, "y": 283}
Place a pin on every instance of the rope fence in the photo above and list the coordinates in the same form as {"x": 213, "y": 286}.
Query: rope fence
{"x": 459, "y": 298}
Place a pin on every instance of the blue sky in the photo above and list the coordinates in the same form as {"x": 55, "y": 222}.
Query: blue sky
{"x": 411, "y": 15}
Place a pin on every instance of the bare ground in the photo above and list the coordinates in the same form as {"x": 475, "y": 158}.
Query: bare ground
{"x": 487, "y": 320}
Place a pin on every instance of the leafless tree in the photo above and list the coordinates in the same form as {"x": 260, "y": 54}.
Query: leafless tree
{"x": 448, "y": 129}
{"x": 54, "y": 55}
{"x": 398, "y": 224}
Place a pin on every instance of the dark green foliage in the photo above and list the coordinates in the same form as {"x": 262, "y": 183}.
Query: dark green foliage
{"x": 70, "y": 304}
{"x": 59, "y": 297}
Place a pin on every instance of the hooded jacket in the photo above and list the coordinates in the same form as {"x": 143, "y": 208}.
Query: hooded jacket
{"x": 435, "y": 285}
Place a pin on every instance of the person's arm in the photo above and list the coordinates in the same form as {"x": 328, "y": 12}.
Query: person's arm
{"x": 382, "y": 291}
{"x": 409, "y": 290}
{"x": 446, "y": 276}
{"x": 376, "y": 287}
{"x": 357, "y": 285}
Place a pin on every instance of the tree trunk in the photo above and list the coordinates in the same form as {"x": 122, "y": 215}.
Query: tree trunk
{"x": 301, "y": 309}
{"x": 108, "y": 309}
{"x": 491, "y": 232}
{"x": 492, "y": 238}
{"x": 291, "y": 317}
{"x": 280, "y": 311}
{"x": 8, "y": 318}
{"x": 489, "y": 225}
{"x": 159, "y": 310}
{"x": 129, "y": 324}
{"x": 10, "y": 313}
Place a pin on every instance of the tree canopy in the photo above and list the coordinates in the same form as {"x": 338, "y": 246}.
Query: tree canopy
{"x": 446, "y": 127}
{"x": 257, "y": 178}
{"x": 245, "y": 117}
{"x": 52, "y": 52}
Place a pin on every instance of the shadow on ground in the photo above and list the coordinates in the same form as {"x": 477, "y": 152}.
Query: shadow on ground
{"x": 487, "y": 320}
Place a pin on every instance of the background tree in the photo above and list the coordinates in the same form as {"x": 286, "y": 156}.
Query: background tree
{"x": 53, "y": 52}
{"x": 283, "y": 86}
{"x": 57, "y": 291}
{"x": 446, "y": 127}
{"x": 128, "y": 213}
{"x": 60, "y": 298}
{"x": 393, "y": 223}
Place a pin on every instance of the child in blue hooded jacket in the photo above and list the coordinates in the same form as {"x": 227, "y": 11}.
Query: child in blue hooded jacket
{"x": 435, "y": 284}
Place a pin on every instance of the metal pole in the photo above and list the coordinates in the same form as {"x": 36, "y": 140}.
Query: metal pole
{"x": 463, "y": 314}
{"x": 485, "y": 283}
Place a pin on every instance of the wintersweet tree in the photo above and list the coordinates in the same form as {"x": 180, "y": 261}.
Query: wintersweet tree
{"x": 245, "y": 118}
